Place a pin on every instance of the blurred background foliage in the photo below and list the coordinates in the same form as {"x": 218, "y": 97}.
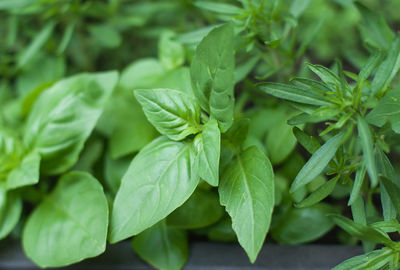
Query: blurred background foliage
{"x": 152, "y": 43}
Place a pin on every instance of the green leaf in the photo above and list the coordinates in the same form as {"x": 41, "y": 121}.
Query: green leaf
{"x": 83, "y": 229}
{"x": 280, "y": 142}
{"x": 293, "y": 93}
{"x": 387, "y": 69}
{"x": 361, "y": 231}
{"x": 163, "y": 247}
{"x": 326, "y": 75}
{"x": 212, "y": 70}
{"x": 208, "y": 145}
{"x": 302, "y": 225}
{"x": 372, "y": 63}
{"x": 247, "y": 192}
{"x": 171, "y": 112}
{"x": 318, "y": 161}
{"x": 360, "y": 175}
{"x": 238, "y": 132}
{"x": 374, "y": 31}
{"x": 64, "y": 116}
{"x": 223, "y": 8}
{"x": 308, "y": 142}
{"x": 26, "y": 173}
{"x": 318, "y": 195}
{"x": 371, "y": 261}
{"x": 388, "y": 110}
{"x": 393, "y": 189}
{"x": 367, "y": 146}
{"x": 170, "y": 52}
{"x": 105, "y": 35}
{"x": 37, "y": 43}
{"x": 10, "y": 211}
{"x": 200, "y": 210}
{"x": 160, "y": 179}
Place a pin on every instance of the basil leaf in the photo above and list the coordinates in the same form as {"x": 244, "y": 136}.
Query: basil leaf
{"x": 83, "y": 229}
{"x": 162, "y": 246}
{"x": 171, "y": 112}
{"x": 326, "y": 75}
{"x": 208, "y": 144}
{"x": 160, "y": 179}
{"x": 170, "y": 51}
{"x": 212, "y": 70}
{"x": 302, "y": 225}
{"x": 10, "y": 211}
{"x": 367, "y": 146}
{"x": 64, "y": 116}
{"x": 26, "y": 173}
{"x": 318, "y": 161}
{"x": 293, "y": 93}
{"x": 280, "y": 142}
{"x": 200, "y": 210}
{"x": 247, "y": 192}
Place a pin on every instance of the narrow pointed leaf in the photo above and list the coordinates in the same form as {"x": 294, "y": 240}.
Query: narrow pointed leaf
{"x": 318, "y": 161}
{"x": 293, "y": 93}
{"x": 318, "y": 195}
{"x": 368, "y": 149}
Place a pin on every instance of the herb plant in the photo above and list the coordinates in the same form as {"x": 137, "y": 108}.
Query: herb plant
{"x": 213, "y": 121}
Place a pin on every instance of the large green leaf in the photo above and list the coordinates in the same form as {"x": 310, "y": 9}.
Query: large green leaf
{"x": 163, "y": 247}
{"x": 64, "y": 116}
{"x": 247, "y": 192}
{"x": 318, "y": 161}
{"x": 212, "y": 71}
{"x": 70, "y": 224}
{"x": 388, "y": 109}
{"x": 160, "y": 179}
{"x": 171, "y": 112}
{"x": 209, "y": 148}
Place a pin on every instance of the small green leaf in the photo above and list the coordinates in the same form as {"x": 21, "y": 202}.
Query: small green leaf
{"x": 238, "y": 132}
{"x": 105, "y": 35}
{"x": 308, "y": 142}
{"x": 171, "y": 112}
{"x": 37, "y": 43}
{"x": 208, "y": 144}
{"x": 326, "y": 75}
{"x": 212, "y": 70}
{"x": 387, "y": 69}
{"x": 367, "y": 149}
{"x": 200, "y": 210}
{"x": 360, "y": 175}
{"x": 223, "y": 8}
{"x": 163, "y": 247}
{"x": 170, "y": 51}
{"x": 247, "y": 192}
{"x": 318, "y": 195}
{"x": 370, "y": 261}
{"x": 280, "y": 142}
{"x": 393, "y": 189}
{"x": 84, "y": 229}
{"x": 10, "y": 211}
{"x": 26, "y": 173}
{"x": 388, "y": 110}
{"x": 372, "y": 63}
{"x": 362, "y": 232}
{"x": 318, "y": 161}
{"x": 293, "y": 93}
{"x": 159, "y": 180}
